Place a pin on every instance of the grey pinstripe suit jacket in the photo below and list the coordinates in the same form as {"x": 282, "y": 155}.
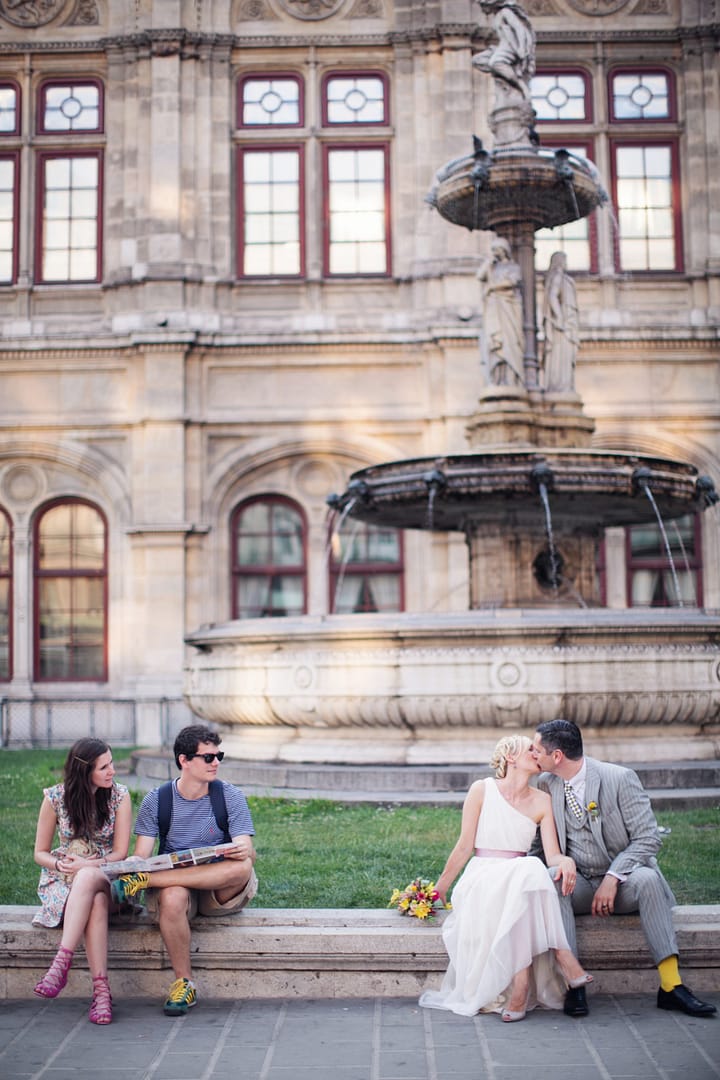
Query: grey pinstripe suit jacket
{"x": 625, "y": 832}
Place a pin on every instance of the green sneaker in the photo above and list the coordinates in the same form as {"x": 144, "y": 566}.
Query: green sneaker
{"x": 181, "y": 997}
{"x": 122, "y": 888}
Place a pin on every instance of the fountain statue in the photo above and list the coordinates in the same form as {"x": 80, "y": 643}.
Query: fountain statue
{"x": 532, "y": 498}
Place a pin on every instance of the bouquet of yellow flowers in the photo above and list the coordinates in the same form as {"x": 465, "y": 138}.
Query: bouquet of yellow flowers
{"x": 420, "y": 898}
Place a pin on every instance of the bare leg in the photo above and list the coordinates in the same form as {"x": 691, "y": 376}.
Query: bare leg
{"x": 175, "y": 928}
{"x": 96, "y": 935}
{"x": 519, "y": 991}
{"x": 572, "y": 969}
{"x": 87, "y": 884}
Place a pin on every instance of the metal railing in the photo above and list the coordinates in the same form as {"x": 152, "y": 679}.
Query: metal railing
{"x": 59, "y": 721}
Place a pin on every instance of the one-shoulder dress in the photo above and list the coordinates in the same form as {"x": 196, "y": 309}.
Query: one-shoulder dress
{"x": 505, "y": 916}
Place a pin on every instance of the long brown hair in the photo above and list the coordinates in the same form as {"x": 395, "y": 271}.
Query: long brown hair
{"x": 88, "y": 810}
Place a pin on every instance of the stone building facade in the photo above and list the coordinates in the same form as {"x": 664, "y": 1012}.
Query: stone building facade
{"x": 221, "y": 288}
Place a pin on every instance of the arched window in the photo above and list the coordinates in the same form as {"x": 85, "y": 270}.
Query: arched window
{"x": 366, "y": 569}
{"x": 70, "y": 567}
{"x": 5, "y": 598}
{"x": 268, "y": 558}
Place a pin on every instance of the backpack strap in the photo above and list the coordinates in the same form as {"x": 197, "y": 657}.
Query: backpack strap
{"x": 164, "y": 813}
{"x": 216, "y": 792}
{"x": 219, "y": 808}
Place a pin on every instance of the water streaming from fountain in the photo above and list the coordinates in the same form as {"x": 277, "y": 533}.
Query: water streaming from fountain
{"x": 642, "y": 479}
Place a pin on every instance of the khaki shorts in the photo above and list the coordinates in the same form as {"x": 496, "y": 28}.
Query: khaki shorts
{"x": 204, "y": 901}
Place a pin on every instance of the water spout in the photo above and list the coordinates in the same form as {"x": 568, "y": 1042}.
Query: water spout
{"x": 641, "y": 482}
{"x": 565, "y": 174}
{"x": 705, "y": 488}
{"x": 543, "y": 481}
{"x": 435, "y": 481}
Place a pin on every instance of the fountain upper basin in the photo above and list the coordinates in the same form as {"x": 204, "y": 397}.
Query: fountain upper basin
{"x": 588, "y": 490}
{"x": 517, "y": 185}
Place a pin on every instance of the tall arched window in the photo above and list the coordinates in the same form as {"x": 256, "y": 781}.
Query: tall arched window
{"x": 5, "y": 598}
{"x": 366, "y": 569}
{"x": 71, "y": 593}
{"x": 268, "y": 558}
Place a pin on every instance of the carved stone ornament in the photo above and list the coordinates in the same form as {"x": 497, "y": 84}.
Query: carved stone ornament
{"x": 254, "y": 11}
{"x": 311, "y": 9}
{"x": 86, "y": 14}
{"x": 598, "y": 7}
{"x": 31, "y": 12}
{"x": 367, "y": 9}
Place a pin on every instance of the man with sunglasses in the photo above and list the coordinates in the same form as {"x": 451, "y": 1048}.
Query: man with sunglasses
{"x": 218, "y": 888}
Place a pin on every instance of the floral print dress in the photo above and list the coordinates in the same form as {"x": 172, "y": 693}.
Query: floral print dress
{"x": 54, "y": 888}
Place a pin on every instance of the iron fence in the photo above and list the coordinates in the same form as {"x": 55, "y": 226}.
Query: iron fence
{"x": 59, "y": 721}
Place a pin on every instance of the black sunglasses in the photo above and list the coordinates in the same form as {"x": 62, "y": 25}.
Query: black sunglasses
{"x": 207, "y": 758}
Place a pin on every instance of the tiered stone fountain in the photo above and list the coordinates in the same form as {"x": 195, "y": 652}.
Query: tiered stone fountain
{"x": 532, "y": 499}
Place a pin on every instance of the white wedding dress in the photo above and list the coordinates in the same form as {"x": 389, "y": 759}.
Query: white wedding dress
{"x": 505, "y": 916}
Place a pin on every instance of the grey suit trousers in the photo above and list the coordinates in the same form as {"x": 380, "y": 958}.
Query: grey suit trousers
{"x": 643, "y": 892}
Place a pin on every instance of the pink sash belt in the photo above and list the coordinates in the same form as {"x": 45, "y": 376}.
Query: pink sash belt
{"x": 496, "y": 853}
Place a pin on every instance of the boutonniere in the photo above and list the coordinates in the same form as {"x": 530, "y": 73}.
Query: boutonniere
{"x": 593, "y": 810}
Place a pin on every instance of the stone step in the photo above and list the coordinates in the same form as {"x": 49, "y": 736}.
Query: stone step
{"x": 331, "y": 952}
{"x": 681, "y": 785}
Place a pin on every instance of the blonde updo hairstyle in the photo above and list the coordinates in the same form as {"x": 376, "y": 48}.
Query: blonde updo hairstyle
{"x": 510, "y": 746}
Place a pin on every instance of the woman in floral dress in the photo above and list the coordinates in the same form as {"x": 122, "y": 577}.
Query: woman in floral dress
{"x": 91, "y": 816}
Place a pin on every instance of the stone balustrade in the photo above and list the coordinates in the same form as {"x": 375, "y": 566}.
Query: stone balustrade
{"x": 269, "y": 953}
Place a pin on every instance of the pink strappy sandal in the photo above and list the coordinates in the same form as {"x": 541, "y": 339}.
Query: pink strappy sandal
{"x": 101, "y": 1007}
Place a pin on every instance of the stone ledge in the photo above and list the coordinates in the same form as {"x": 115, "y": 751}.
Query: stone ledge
{"x": 268, "y": 952}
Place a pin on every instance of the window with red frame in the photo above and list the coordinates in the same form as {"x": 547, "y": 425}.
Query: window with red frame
{"x": 9, "y": 181}
{"x": 665, "y": 570}
{"x": 561, "y": 96}
{"x": 355, "y": 98}
{"x": 69, "y": 219}
{"x": 564, "y": 97}
{"x": 578, "y": 239}
{"x": 270, "y": 101}
{"x": 270, "y": 219}
{"x": 70, "y": 569}
{"x": 5, "y": 597}
{"x": 645, "y": 170}
{"x": 268, "y": 558}
{"x": 366, "y": 569}
{"x": 356, "y": 186}
{"x": 645, "y": 183}
{"x": 349, "y": 180}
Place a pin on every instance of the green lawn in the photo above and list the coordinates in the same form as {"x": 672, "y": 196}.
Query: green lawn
{"x": 321, "y": 854}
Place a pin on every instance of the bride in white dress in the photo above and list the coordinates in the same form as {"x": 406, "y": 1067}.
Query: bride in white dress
{"x": 505, "y": 939}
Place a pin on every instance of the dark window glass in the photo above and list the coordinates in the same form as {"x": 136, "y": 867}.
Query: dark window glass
{"x": 5, "y": 597}
{"x": 366, "y": 569}
{"x": 268, "y": 559}
{"x": 71, "y": 591}
{"x": 659, "y": 579}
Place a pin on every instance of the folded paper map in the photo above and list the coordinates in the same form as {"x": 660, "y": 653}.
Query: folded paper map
{"x": 173, "y": 860}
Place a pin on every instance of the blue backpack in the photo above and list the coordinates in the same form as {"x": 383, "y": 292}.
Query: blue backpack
{"x": 165, "y": 805}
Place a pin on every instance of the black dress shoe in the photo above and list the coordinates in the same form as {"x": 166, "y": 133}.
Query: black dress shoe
{"x": 684, "y": 1000}
{"x": 576, "y": 1002}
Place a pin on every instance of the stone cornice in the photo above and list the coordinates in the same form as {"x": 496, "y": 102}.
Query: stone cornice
{"x": 174, "y": 41}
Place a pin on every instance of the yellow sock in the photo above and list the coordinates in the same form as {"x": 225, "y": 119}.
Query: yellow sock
{"x": 669, "y": 973}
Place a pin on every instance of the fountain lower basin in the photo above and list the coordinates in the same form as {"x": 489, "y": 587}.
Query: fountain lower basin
{"x": 420, "y": 688}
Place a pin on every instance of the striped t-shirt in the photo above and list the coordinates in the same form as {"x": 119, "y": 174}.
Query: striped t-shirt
{"x": 193, "y": 823}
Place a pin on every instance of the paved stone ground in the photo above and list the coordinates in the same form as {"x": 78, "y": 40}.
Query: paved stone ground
{"x": 624, "y": 1037}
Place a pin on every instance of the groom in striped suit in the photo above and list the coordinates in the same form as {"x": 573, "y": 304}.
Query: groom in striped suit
{"x": 605, "y": 823}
